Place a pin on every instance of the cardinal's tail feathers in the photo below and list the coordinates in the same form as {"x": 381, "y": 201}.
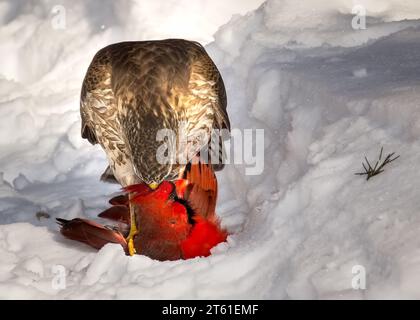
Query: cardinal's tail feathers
{"x": 118, "y": 213}
{"x": 90, "y": 232}
{"x": 121, "y": 199}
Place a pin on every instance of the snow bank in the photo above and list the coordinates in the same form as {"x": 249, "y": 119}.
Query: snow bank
{"x": 325, "y": 94}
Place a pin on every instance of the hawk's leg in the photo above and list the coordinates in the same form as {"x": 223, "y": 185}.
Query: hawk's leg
{"x": 133, "y": 221}
{"x": 133, "y": 226}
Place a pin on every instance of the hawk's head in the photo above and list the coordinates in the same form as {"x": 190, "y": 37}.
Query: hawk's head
{"x": 152, "y": 141}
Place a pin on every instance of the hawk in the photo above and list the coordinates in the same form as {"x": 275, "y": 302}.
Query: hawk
{"x": 134, "y": 90}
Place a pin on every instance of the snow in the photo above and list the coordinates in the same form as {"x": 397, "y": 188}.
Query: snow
{"x": 325, "y": 94}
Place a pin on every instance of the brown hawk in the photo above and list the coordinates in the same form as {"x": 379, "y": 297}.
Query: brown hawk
{"x": 132, "y": 90}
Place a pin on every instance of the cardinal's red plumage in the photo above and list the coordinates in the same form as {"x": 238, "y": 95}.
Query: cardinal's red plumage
{"x": 176, "y": 220}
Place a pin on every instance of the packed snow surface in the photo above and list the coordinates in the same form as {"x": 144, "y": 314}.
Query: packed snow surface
{"x": 325, "y": 94}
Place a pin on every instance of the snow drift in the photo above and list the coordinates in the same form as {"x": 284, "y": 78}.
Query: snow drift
{"x": 325, "y": 95}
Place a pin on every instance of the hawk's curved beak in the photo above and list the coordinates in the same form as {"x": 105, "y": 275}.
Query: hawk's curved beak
{"x": 153, "y": 185}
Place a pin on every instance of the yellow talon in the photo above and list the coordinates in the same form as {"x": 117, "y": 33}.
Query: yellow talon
{"x": 130, "y": 240}
{"x": 133, "y": 228}
{"x": 131, "y": 249}
{"x": 133, "y": 225}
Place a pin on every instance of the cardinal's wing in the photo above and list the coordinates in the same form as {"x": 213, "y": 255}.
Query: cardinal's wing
{"x": 201, "y": 189}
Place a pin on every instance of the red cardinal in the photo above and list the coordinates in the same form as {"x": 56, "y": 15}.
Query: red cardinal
{"x": 176, "y": 220}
